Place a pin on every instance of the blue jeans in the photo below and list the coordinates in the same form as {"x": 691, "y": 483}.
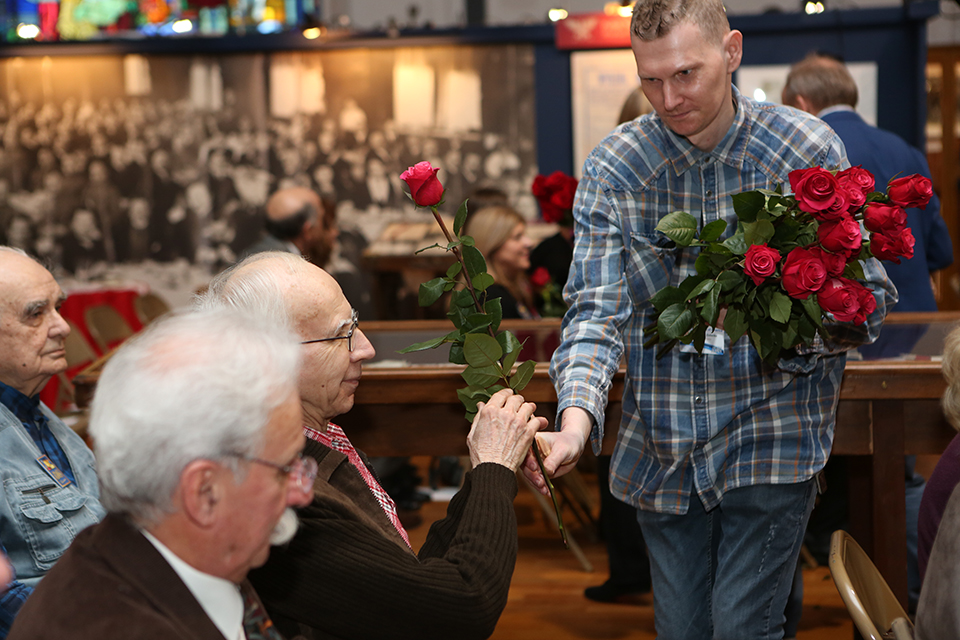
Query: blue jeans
{"x": 726, "y": 574}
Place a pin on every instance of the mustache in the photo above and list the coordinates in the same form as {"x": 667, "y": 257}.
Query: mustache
{"x": 285, "y": 528}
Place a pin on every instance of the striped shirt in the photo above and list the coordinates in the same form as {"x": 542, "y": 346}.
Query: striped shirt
{"x": 707, "y": 423}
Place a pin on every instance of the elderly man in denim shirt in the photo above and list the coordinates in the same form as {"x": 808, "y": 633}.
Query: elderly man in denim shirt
{"x": 50, "y": 489}
{"x": 717, "y": 451}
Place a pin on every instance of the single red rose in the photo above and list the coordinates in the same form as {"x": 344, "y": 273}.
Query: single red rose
{"x": 884, "y": 247}
{"x": 912, "y": 191}
{"x": 803, "y": 274}
{"x": 760, "y": 262}
{"x": 540, "y": 277}
{"x": 836, "y": 211}
{"x": 868, "y": 304}
{"x": 840, "y": 236}
{"x": 860, "y": 177}
{"x": 832, "y": 262}
{"x": 563, "y": 196}
{"x": 856, "y": 198}
{"x": 424, "y": 185}
{"x": 888, "y": 219}
{"x": 815, "y": 189}
{"x": 841, "y": 297}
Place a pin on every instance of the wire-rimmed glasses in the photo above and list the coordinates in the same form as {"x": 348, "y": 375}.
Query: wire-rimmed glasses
{"x": 354, "y": 321}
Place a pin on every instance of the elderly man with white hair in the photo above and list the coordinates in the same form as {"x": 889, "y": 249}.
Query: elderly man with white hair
{"x": 196, "y": 424}
{"x": 350, "y": 571}
{"x": 50, "y": 490}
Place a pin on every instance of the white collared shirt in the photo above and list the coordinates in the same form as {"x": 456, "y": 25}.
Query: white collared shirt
{"x": 835, "y": 109}
{"x": 220, "y": 599}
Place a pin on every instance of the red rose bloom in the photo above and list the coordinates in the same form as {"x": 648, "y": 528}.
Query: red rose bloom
{"x": 555, "y": 193}
{"x": 835, "y": 211}
{"x": 760, "y": 262}
{"x": 884, "y": 247}
{"x": 888, "y": 219}
{"x": 815, "y": 189}
{"x": 840, "y": 236}
{"x": 803, "y": 274}
{"x": 540, "y": 277}
{"x": 860, "y": 177}
{"x": 851, "y": 190}
{"x": 834, "y": 263}
{"x": 424, "y": 185}
{"x": 868, "y": 304}
{"x": 843, "y": 298}
{"x": 912, "y": 191}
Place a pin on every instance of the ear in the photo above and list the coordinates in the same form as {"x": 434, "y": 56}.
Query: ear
{"x": 805, "y": 105}
{"x": 733, "y": 49}
{"x": 201, "y": 491}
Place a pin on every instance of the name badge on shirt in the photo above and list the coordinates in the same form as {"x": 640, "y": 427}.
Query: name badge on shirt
{"x": 53, "y": 471}
{"x": 712, "y": 345}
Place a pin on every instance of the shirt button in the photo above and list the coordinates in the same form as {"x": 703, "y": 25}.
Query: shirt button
{"x": 698, "y": 400}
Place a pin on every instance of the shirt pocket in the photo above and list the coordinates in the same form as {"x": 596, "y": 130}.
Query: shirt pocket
{"x": 49, "y": 516}
{"x": 650, "y": 260}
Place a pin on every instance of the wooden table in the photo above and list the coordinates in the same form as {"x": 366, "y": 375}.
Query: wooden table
{"x": 886, "y": 410}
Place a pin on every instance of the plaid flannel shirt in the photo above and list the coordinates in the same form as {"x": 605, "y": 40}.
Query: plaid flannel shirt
{"x": 707, "y": 423}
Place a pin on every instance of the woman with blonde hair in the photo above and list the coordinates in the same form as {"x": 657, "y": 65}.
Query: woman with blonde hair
{"x": 500, "y": 233}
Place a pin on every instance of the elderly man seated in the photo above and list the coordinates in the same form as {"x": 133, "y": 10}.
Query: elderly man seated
{"x": 196, "y": 425}
{"x": 50, "y": 487}
{"x": 350, "y": 571}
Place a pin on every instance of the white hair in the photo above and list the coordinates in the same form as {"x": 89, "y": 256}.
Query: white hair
{"x": 19, "y": 252}
{"x": 194, "y": 385}
{"x": 257, "y": 292}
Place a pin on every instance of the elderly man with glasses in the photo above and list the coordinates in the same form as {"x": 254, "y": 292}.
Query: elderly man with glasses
{"x": 350, "y": 571}
{"x": 196, "y": 424}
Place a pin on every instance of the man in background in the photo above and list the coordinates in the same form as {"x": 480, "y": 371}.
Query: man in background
{"x": 197, "y": 429}
{"x": 50, "y": 489}
{"x": 298, "y": 222}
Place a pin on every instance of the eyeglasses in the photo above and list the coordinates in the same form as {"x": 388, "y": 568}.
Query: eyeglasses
{"x": 354, "y": 321}
{"x": 303, "y": 470}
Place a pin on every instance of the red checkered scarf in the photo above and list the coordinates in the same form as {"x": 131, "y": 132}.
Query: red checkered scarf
{"x": 336, "y": 439}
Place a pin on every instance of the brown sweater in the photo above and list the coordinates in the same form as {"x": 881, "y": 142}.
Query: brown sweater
{"x": 348, "y": 574}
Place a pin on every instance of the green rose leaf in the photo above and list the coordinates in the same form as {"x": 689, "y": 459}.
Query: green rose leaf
{"x": 854, "y": 270}
{"x": 460, "y": 218}
{"x": 735, "y": 324}
{"x": 454, "y": 269}
{"x": 675, "y": 321}
{"x": 467, "y": 241}
{"x": 703, "y": 287}
{"x": 431, "y": 291}
{"x": 666, "y": 297}
{"x": 481, "y": 376}
{"x": 679, "y": 226}
{"x": 711, "y": 307}
{"x": 482, "y": 281}
{"x": 728, "y": 280}
{"x": 432, "y": 343}
{"x": 523, "y": 375}
{"x": 481, "y": 350}
{"x": 813, "y": 310}
{"x": 511, "y": 348}
{"x": 780, "y": 306}
{"x": 758, "y": 232}
{"x": 712, "y": 232}
{"x": 456, "y": 353}
{"x": 736, "y": 243}
{"x": 474, "y": 260}
{"x": 476, "y": 322}
{"x": 748, "y": 204}
{"x": 494, "y": 309}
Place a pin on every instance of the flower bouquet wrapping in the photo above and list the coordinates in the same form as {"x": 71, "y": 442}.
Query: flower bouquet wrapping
{"x": 793, "y": 265}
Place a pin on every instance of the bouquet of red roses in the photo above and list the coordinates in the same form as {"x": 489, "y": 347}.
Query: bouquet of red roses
{"x": 793, "y": 261}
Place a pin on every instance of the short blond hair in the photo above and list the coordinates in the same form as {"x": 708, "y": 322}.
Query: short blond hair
{"x": 821, "y": 80}
{"x": 654, "y": 19}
